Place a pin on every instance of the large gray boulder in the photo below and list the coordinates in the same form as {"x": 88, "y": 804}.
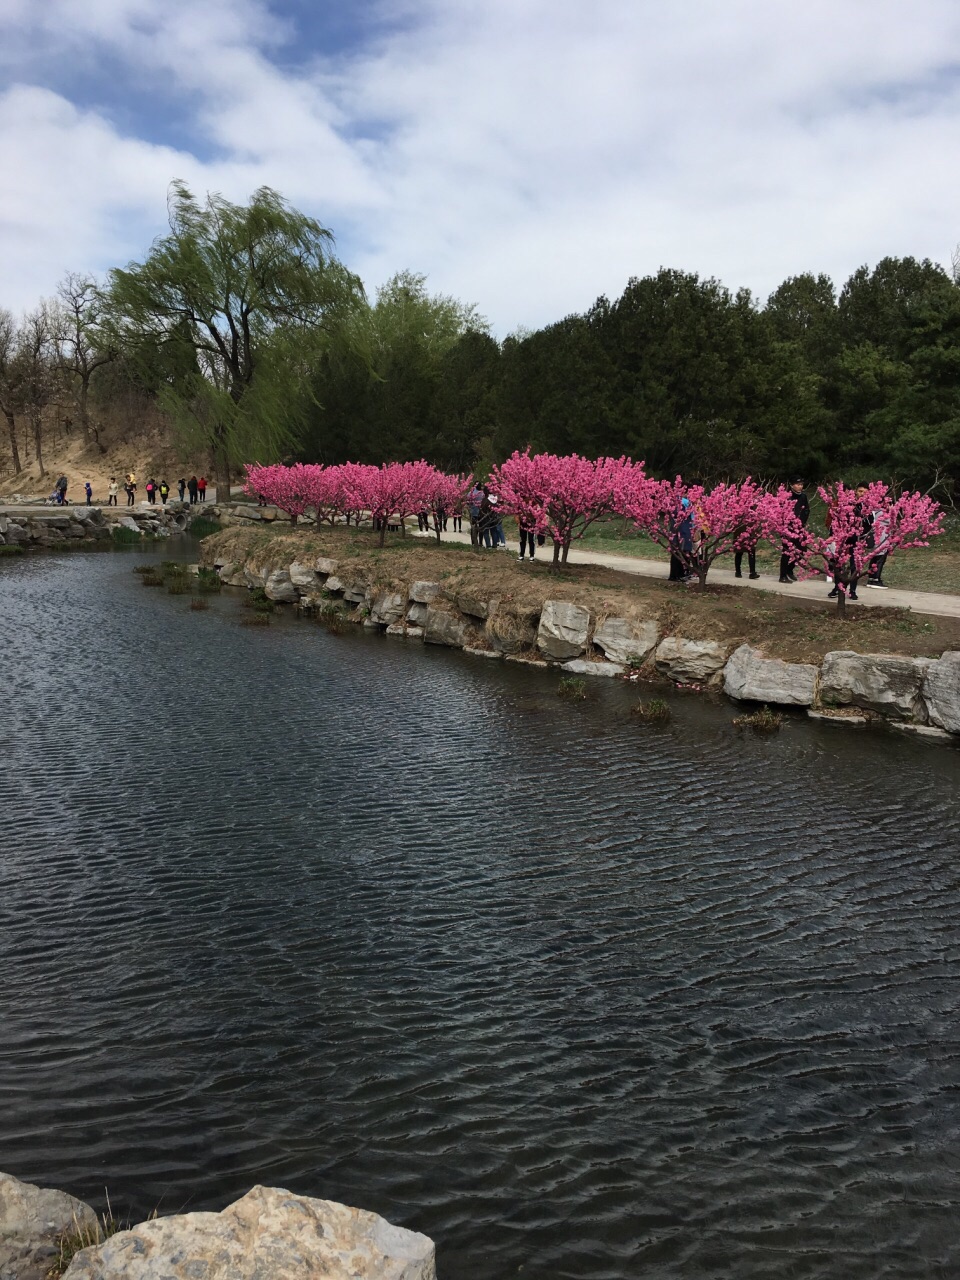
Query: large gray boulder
{"x": 424, "y": 592}
{"x": 355, "y": 593}
{"x": 232, "y": 574}
{"x": 751, "y": 677}
{"x": 689, "y": 661}
{"x": 323, "y": 564}
{"x": 882, "y": 682}
{"x": 388, "y": 608}
{"x": 417, "y": 614}
{"x": 279, "y": 587}
{"x": 941, "y": 691}
{"x": 269, "y": 1234}
{"x": 303, "y": 576}
{"x": 474, "y": 607}
{"x": 563, "y": 630}
{"x": 624, "y": 641}
{"x": 32, "y": 1220}
{"x": 450, "y": 629}
{"x": 581, "y": 667}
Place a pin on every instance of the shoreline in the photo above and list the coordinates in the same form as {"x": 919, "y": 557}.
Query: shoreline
{"x": 595, "y": 630}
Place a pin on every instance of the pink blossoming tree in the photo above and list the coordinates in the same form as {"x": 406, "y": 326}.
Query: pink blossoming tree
{"x": 563, "y": 496}
{"x": 697, "y": 525}
{"x": 862, "y": 524}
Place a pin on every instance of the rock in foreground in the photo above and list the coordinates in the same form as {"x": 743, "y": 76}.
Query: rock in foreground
{"x": 268, "y": 1233}
{"x": 32, "y": 1220}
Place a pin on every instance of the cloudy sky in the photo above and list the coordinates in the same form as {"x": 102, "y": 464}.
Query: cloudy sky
{"x": 527, "y": 155}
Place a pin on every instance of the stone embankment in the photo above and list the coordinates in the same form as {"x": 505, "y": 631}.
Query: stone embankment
{"x": 269, "y": 1232}
{"x": 917, "y": 695}
{"x": 52, "y": 526}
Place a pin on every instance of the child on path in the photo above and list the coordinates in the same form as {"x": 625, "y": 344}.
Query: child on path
{"x": 112, "y": 490}
{"x": 164, "y": 491}
{"x": 88, "y": 490}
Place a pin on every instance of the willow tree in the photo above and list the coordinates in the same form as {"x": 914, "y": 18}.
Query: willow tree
{"x": 239, "y": 300}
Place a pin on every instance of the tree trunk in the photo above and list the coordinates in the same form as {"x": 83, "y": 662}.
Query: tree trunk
{"x": 841, "y": 604}
{"x": 12, "y": 427}
{"x": 566, "y": 549}
{"x": 556, "y": 554}
{"x": 383, "y": 531}
{"x": 84, "y": 415}
{"x": 38, "y": 442}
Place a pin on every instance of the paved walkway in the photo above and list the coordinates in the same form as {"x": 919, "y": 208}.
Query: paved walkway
{"x": 940, "y": 605}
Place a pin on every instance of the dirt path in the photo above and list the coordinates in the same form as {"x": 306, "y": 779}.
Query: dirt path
{"x": 930, "y": 602}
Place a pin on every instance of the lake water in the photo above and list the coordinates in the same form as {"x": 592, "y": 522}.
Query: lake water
{"x": 394, "y": 926}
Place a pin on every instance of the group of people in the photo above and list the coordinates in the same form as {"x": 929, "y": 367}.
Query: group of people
{"x": 486, "y": 518}
{"x": 197, "y": 489}
{"x": 843, "y": 568}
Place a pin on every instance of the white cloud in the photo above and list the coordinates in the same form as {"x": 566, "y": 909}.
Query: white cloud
{"x": 526, "y": 154}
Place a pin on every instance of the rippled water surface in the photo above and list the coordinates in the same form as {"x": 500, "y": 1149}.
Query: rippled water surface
{"x": 393, "y": 926}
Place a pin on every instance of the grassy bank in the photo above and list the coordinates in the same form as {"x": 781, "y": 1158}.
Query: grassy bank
{"x": 784, "y": 627}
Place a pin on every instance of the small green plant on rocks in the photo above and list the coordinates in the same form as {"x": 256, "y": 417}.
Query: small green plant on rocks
{"x": 258, "y": 620}
{"x": 653, "y": 711}
{"x": 572, "y": 687}
{"x": 84, "y": 1236}
{"x": 208, "y": 580}
{"x": 762, "y": 721}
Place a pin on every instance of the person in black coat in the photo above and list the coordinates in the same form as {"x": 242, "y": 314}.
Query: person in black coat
{"x": 791, "y": 546}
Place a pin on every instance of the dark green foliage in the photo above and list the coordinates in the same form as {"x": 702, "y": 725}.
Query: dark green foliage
{"x": 202, "y": 527}
{"x": 124, "y": 537}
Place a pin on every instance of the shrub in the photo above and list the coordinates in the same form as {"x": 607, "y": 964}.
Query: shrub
{"x": 258, "y": 620}
{"x": 125, "y": 537}
{"x": 199, "y": 605}
{"x": 203, "y": 526}
{"x": 208, "y": 580}
{"x": 653, "y": 711}
{"x": 762, "y": 721}
{"x": 572, "y": 687}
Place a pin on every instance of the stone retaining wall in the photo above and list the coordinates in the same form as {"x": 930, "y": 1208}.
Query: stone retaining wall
{"x": 54, "y": 526}
{"x": 913, "y": 693}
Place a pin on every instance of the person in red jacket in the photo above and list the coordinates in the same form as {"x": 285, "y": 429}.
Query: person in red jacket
{"x": 202, "y": 488}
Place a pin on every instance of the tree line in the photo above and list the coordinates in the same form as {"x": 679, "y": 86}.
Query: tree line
{"x": 242, "y": 327}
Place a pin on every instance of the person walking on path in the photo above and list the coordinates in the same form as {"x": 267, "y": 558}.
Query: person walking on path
{"x": 474, "y": 503}
{"x": 681, "y": 548}
{"x": 497, "y": 535}
{"x": 181, "y": 485}
{"x": 61, "y": 490}
{"x": 750, "y": 561}
{"x": 112, "y": 490}
{"x": 792, "y": 546}
{"x": 88, "y": 490}
{"x": 202, "y": 488}
{"x": 528, "y": 539}
{"x": 164, "y": 492}
{"x": 151, "y": 491}
{"x": 131, "y": 488}
{"x": 880, "y": 532}
{"x": 192, "y": 487}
